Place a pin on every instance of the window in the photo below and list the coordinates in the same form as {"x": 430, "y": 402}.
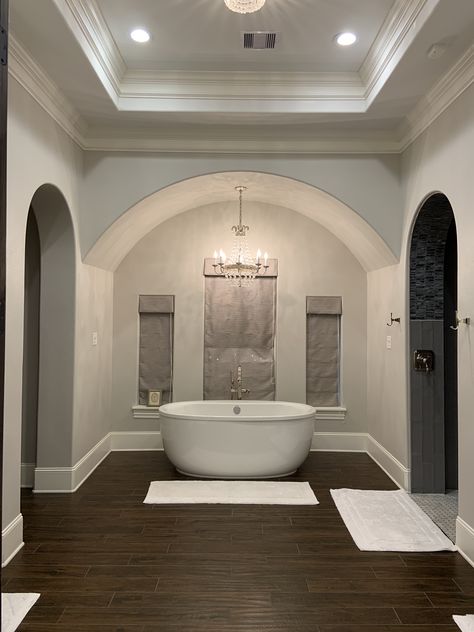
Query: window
{"x": 323, "y": 334}
{"x": 155, "y": 366}
{"x": 239, "y": 329}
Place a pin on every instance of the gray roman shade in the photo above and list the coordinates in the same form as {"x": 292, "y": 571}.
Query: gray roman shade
{"x": 155, "y": 366}
{"x": 239, "y": 328}
{"x": 323, "y": 324}
{"x": 150, "y": 304}
{"x": 324, "y": 304}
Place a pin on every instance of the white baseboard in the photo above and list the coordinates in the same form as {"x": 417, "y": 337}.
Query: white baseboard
{"x": 27, "y": 475}
{"x": 120, "y": 441}
{"x": 399, "y": 474}
{"x": 339, "y": 442}
{"x": 465, "y": 540}
{"x": 363, "y": 442}
{"x": 69, "y": 479}
{"x": 50, "y": 480}
{"x": 12, "y": 539}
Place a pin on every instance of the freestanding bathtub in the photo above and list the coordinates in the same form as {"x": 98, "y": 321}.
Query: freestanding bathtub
{"x": 236, "y": 439}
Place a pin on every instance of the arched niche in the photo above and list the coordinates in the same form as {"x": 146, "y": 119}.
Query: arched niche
{"x": 361, "y": 239}
{"x": 57, "y": 280}
{"x": 433, "y": 347}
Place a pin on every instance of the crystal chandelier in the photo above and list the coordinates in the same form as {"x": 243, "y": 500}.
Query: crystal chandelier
{"x": 240, "y": 268}
{"x": 244, "y": 6}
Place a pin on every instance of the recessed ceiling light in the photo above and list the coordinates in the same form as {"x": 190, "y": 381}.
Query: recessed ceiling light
{"x": 140, "y": 35}
{"x": 345, "y": 39}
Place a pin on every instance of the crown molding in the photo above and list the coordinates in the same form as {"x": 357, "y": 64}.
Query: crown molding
{"x": 244, "y": 91}
{"x": 90, "y": 30}
{"x": 217, "y": 90}
{"x": 398, "y": 31}
{"x": 92, "y": 23}
{"x": 254, "y": 146}
{"x": 46, "y": 93}
{"x": 254, "y": 85}
{"x": 458, "y": 78}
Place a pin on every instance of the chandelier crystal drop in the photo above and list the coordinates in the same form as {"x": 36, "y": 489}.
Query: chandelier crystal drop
{"x": 240, "y": 269}
{"x": 244, "y": 6}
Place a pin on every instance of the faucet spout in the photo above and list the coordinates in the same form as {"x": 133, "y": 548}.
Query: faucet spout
{"x": 237, "y": 391}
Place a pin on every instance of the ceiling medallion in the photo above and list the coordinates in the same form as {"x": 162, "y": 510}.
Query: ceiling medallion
{"x": 244, "y": 6}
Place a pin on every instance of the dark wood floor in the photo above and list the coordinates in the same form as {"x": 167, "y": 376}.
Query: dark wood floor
{"x": 103, "y": 561}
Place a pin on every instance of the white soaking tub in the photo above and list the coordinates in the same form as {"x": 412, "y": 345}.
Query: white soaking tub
{"x": 237, "y": 439}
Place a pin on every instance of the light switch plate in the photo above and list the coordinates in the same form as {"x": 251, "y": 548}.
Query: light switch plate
{"x": 94, "y": 338}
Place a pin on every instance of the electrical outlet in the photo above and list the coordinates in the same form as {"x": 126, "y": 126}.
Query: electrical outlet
{"x": 94, "y": 338}
{"x": 389, "y": 342}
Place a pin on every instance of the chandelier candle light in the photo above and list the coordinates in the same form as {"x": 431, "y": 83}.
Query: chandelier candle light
{"x": 244, "y": 6}
{"x": 240, "y": 268}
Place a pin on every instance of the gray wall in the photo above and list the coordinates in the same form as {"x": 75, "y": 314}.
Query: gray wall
{"x": 31, "y": 342}
{"x": 170, "y": 261}
{"x": 57, "y": 328}
{"x": 368, "y": 184}
{"x": 439, "y": 161}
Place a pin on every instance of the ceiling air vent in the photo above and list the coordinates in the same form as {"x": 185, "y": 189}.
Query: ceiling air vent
{"x": 260, "y": 40}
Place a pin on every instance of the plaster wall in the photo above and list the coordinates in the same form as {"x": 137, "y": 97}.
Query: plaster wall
{"x": 40, "y": 152}
{"x": 367, "y": 184}
{"x": 170, "y": 261}
{"x": 440, "y": 160}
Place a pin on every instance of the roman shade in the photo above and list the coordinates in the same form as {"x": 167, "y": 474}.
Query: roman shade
{"x": 151, "y": 304}
{"x": 323, "y": 323}
{"x": 324, "y": 304}
{"x": 155, "y": 366}
{"x": 239, "y": 329}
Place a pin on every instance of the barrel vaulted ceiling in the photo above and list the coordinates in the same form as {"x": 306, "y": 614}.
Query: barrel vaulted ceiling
{"x": 194, "y": 87}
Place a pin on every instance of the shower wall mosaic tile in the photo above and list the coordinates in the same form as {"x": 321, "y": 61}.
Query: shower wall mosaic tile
{"x": 427, "y": 259}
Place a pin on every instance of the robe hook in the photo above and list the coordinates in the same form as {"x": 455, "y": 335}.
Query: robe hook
{"x": 393, "y": 320}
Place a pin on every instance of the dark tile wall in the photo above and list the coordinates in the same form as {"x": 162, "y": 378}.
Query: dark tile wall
{"x": 427, "y": 411}
{"x": 427, "y": 258}
{"x": 427, "y": 314}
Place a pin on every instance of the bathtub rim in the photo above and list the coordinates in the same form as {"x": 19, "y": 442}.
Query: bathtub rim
{"x": 307, "y": 411}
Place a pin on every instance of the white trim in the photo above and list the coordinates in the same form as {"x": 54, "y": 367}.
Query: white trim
{"x": 130, "y": 441}
{"x": 27, "y": 474}
{"x": 12, "y": 539}
{"x": 145, "y": 412}
{"x": 389, "y": 464}
{"x": 242, "y": 91}
{"x": 458, "y": 78}
{"x": 69, "y": 479}
{"x": 339, "y": 442}
{"x": 400, "y": 28}
{"x": 465, "y": 540}
{"x": 23, "y": 68}
{"x": 331, "y": 413}
{"x": 49, "y": 480}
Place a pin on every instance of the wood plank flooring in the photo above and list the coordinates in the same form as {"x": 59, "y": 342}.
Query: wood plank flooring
{"x": 103, "y": 561}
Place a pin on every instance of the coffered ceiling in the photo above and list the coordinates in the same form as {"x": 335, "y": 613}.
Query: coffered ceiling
{"x": 193, "y": 86}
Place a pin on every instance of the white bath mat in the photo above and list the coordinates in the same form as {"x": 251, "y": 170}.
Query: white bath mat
{"x": 464, "y": 622}
{"x": 15, "y": 607}
{"x": 231, "y": 492}
{"x": 388, "y": 521}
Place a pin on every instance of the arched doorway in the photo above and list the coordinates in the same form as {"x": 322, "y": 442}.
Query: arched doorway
{"x": 433, "y": 348}
{"x": 30, "y": 352}
{"x": 48, "y": 338}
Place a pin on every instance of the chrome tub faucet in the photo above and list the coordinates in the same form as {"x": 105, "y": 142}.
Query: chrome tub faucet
{"x": 236, "y": 391}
